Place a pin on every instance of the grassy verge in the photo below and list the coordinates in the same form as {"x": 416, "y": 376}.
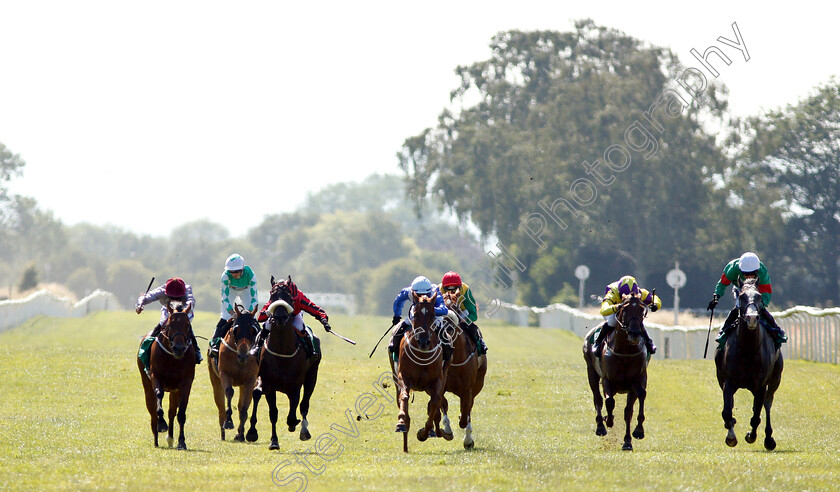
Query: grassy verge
{"x": 74, "y": 418}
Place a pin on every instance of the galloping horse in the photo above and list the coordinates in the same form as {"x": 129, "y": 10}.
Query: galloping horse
{"x": 749, "y": 360}
{"x": 621, "y": 368}
{"x": 284, "y": 367}
{"x": 171, "y": 368}
{"x": 420, "y": 367}
{"x": 235, "y": 368}
{"x": 465, "y": 377}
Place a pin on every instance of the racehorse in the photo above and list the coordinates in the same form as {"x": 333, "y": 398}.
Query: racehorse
{"x": 621, "y": 368}
{"x": 420, "y": 367}
{"x": 464, "y": 378}
{"x": 171, "y": 368}
{"x": 235, "y": 367}
{"x": 284, "y": 367}
{"x": 749, "y": 360}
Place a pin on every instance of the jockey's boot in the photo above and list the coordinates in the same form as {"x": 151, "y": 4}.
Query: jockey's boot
{"x": 778, "y": 333}
{"x": 472, "y": 331}
{"x": 258, "y": 342}
{"x": 651, "y": 347}
{"x": 605, "y": 330}
{"x": 394, "y": 344}
{"x": 727, "y": 326}
{"x": 221, "y": 330}
{"x": 155, "y": 331}
{"x": 198, "y": 357}
{"x": 308, "y": 345}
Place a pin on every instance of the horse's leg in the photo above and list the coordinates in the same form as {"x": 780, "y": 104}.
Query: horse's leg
{"x": 610, "y": 402}
{"x": 184, "y": 399}
{"x": 308, "y": 389}
{"x": 218, "y": 397}
{"x": 253, "y": 435}
{"x": 151, "y": 401}
{"x": 639, "y": 431}
{"x": 775, "y": 380}
{"x": 435, "y": 393}
{"x": 271, "y": 401}
{"x": 728, "y": 421}
{"x": 595, "y": 386}
{"x": 161, "y": 421}
{"x": 227, "y": 385}
{"x": 628, "y": 417}
{"x": 291, "y": 419}
{"x": 403, "y": 419}
{"x": 446, "y": 432}
{"x": 466, "y": 409}
{"x": 758, "y": 403}
{"x": 245, "y": 395}
{"x": 174, "y": 399}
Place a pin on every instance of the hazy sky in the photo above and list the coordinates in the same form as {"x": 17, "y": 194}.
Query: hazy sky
{"x": 147, "y": 115}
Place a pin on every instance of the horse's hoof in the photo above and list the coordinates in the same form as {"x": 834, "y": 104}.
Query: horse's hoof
{"x": 401, "y": 428}
{"x": 731, "y": 442}
{"x": 238, "y": 438}
{"x": 769, "y": 443}
{"x": 639, "y": 433}
{"x": 448, "y": 436}
{"x": 252, "y": 435}
{"x": 229, "y": 424}
{"x": 750, "y": 437}
{"x": 422, "y": 435}
{"x": 627, "y": 447}
{"x": 432, "y": 433}
{"x": 601, "y": 430}
{"x": 469, "y": 445}
{"x": 609, "y": 421}
{"x": 273, "y": 446}
{"x": 162, "y": 427}
{"x": 182, "y": 446}
{"x": 305, "y": 435}
{"x": 223, "y": 434}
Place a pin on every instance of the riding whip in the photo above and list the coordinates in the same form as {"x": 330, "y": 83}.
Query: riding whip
{"x": 706, "y": 350}
{"x": 150, "y": 285}
{"x": 380, "y": 340}
{"x": 343, "y": 338}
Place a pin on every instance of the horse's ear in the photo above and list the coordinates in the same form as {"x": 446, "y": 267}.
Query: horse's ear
{"x": 290, "y": 279}
{"x": 414, "y": 297}
{"x": 254, "y": 312}
{"x": 188, "y": 309}
{"x": 272, "y": 281}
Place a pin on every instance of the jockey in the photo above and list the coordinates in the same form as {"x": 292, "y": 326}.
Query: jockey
{"x": 626, "y": 285}
{"x": 174, "y": 289}
{"x": 420, "y": 286}
{"x": 238, "y": 280}
{"x": 737, "y": 271}
{"x": 300, "y": 303}
{"x": 465, "y": 307}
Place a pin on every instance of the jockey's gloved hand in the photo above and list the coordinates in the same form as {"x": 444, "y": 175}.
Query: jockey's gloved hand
{"x": 654, "y": 308}
{"x": 396, "y": 319}
{"x": 327, "y": 326}
{"x": 713, "y": 302}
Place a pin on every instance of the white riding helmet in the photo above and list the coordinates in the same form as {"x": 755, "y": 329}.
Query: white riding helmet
{"x": 234, "y": 263}
{"x": 421, "y": 285}
{"x": 748, "y": 262}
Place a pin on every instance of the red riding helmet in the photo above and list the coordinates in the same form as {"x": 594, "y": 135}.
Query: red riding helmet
{"x": 451, "y": 279}
{"x": 175, "y": 287}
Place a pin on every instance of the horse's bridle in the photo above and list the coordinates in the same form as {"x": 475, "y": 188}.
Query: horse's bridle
{"x": 165, "y": 333}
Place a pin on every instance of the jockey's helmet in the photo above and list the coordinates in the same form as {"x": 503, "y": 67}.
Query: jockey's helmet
{"x": 234, "y": 263}
{"x": 175, "y": 287}
{"x": 421, "y": 285}
{"x": 627, "y": 285}
{"x": 749, "y": 262}
{"x": 451, "y": 280}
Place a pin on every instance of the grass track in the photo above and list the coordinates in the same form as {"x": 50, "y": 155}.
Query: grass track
{"x": 74, "y": 418}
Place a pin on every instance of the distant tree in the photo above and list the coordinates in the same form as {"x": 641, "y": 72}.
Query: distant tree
{"x": 548, "y": 140}
{"x": 799, "y": 149}
{"x": 29, "y": 280}
{"x": 83, "y": 281}
{"x": 127, "y": 279}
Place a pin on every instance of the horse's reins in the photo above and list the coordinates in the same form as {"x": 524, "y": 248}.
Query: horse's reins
{"x": 162, "y": 346}
{"x": 623, "y": 327}
{"x": 284, "y": 356}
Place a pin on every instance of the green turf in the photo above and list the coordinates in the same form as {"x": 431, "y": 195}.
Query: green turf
{"x": 74, "y": 418}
